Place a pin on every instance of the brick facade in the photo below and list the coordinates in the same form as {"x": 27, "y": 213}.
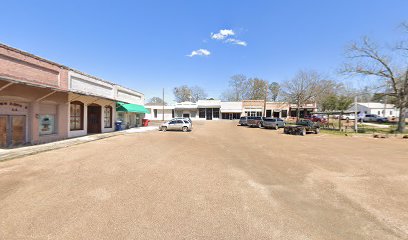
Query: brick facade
{"x": 20, "y": 66}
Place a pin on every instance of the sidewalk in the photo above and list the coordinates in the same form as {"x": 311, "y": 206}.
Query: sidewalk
{"x": 7, "y": 154}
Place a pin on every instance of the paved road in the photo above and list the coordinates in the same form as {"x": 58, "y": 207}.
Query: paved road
{"x": 218, "y": 182}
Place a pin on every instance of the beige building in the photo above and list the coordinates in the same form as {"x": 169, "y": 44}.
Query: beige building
{"x": 43, "y": 101}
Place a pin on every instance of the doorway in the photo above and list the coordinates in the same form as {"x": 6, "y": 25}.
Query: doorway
{"x": 12, "y": 130}
{"x": 186, "y": 115}
{"x": 209, "y": 114}
{"x": 94, "y": 118}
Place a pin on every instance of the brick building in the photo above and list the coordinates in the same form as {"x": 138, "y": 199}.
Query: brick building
{"x": 43, "y": 101}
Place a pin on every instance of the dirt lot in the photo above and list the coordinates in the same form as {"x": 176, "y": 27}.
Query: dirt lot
{"x": 220, "y": 181}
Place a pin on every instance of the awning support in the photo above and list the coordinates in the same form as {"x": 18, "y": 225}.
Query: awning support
{"x": 6, "y": 86}
{"x": 45, "y": 96}
{"x": 94, "y": 101}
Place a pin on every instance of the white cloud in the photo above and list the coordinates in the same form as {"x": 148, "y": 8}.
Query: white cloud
{"x": 200, "y": 52}
{"x": 222, "y": 34}
{"x": 236, "y": 41}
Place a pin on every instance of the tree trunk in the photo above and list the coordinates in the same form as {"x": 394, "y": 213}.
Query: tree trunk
{"x": 401, "y": 120}
{"x": 297, "y": 111}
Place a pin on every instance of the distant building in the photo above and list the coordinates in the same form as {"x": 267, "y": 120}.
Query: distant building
{"x": 216, "y": 109}
{"x": 376, "y": 108}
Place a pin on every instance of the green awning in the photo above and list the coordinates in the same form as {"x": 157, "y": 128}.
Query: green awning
{"x": 128, "y": 107}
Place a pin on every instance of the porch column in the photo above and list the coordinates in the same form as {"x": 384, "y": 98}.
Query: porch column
{"x": 63, "y": 120}
{"x": 33, "y": 122}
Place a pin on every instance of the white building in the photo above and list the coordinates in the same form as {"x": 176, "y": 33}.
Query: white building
{"x": 156, "y": 112}
{"x": 95, "y": 105}
{"x": 130, "y": 107}
{"x": 92, "y": 105}
{"x": 231, "y": 110}
{"x": 376, "y": 108}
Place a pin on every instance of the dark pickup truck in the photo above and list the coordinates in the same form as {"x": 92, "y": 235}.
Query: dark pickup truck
{"x": 302, "y": 127}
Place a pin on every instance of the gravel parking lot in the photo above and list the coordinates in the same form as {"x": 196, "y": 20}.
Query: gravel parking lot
{"x": 219, "y": 181}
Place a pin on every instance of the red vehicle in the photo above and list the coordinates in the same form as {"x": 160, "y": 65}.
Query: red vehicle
{"x": 315, "y": 118}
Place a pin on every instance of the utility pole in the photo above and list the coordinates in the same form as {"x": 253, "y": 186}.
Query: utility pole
{"x": 163, "y": 104}
{"x": 355, "y": 114}
{"x": 266, "y": 97}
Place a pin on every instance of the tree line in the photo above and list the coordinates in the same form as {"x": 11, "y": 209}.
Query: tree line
{"x": 384, "y": 67}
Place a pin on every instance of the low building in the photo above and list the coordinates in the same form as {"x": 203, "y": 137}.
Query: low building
{"x": 268, "y": 109}
{"x": 209, "y": 109}
{"x": 304, "y": 110}
{"x": 92, "y": 105}
{"x": 253, "y": 107}
{"x": 43, "y": 101}
{"x": 130, "y": 107}
{"x": 277, "y": 109}
{"x": 380, "y": 109}
{"x": 216, "y": 109}
{"x": 33, "y": 99}
{"x": 157, "y": 112}
{"x": 186, "y": 109}
{"x": 231, "y": 110}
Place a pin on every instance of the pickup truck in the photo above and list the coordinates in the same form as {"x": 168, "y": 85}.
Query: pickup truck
{"x": 255, "y": 122}
{"x": 302, "y": 127}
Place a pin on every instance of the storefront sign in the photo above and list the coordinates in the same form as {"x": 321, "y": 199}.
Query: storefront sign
{"x": 10, "y": 107}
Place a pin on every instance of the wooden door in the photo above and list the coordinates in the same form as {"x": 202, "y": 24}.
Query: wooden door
{"x": 17, "y": 130}
{"x": 94, "y": 119}
{"x": 3, "y": 131}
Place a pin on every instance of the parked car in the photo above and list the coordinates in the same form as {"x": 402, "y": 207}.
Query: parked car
{"x": 255, "y": 122}
{"x": 183, "y": 118}
{"x": 274, "y": 123}
{"x": 373, "y": 118}
{"x": 348, "y": 117}
{"x": 316, "y": 118}
{"x": 177, "y": 124}
{"x": 243, "y": 121}
{"x": 302, "y": 127}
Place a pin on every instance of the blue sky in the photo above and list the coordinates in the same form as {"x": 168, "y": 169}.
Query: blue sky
{"x": 144, "y": 44}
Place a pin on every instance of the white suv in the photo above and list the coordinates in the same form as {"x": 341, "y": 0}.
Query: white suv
{"x": 177, "y": 124}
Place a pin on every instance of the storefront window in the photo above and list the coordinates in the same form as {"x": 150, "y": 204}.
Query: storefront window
{"x": 216, "y": 113}
{"x": 284, "y": 113}
{"x": 47, "y": 124}
{"x": 76, "y": 116}
{"x": 108, "y": 117}
{"x": 201, "y": 113}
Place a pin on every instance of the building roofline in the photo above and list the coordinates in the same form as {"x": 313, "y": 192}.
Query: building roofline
{"x": 60, "y": 65}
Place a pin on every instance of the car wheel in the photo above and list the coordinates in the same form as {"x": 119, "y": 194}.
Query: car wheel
{"x": 164, "y": 129}
{"x": 185, "y": 129}
{"x": 317, "y": 131}
{"x": 303, "y": 133}
{"x": 259, "y": 125}
{"x": 347, "y": 118}
{"x": 276, "y": 127}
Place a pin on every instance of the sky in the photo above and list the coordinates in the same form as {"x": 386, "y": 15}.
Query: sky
{"x": 150, "y": 45}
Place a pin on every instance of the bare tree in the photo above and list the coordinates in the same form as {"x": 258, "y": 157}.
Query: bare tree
{"x": 182, "y": 93}
{"x": 197, "y": 93}
{"x": 155, "y": 101}
{"x": 237, "y": 88}
{"x": 257, "y": 89}
{"x": 302, "y": 89}
{"x": 274, "y": 90}
{"x": 367, "y": 59}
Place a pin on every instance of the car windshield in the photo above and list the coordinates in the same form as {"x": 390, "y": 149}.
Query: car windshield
{"x": 243, "y": 118}
{"x": 270, "y": 120}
